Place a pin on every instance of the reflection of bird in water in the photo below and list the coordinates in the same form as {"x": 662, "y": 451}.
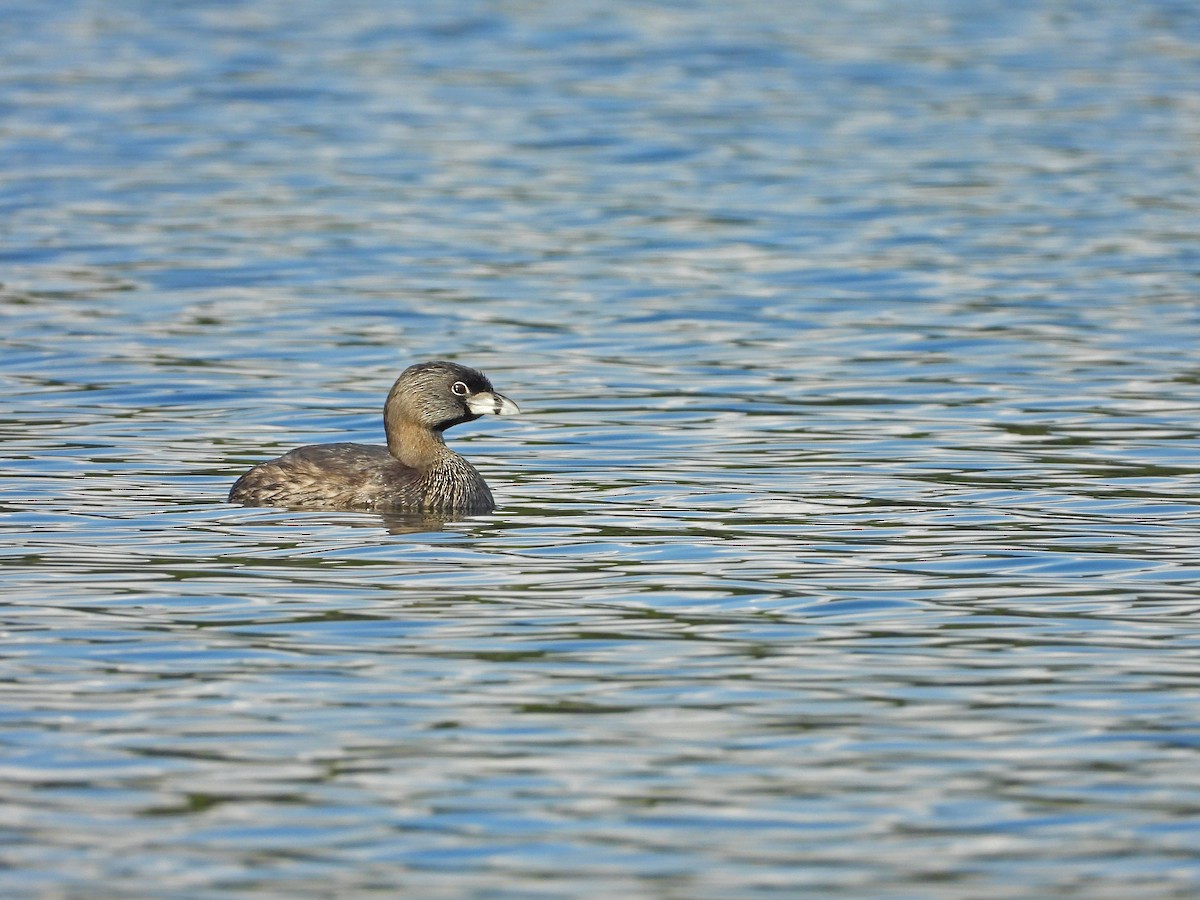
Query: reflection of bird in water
{"x": 416, "y": 472}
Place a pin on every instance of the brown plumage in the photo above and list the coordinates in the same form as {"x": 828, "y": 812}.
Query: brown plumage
{"x": 415, "y": 472}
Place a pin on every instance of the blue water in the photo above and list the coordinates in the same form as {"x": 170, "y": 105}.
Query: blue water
{"x": 848, "y": 545}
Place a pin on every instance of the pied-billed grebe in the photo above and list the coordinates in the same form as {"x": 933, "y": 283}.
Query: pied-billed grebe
{"x": 415, "y": 472}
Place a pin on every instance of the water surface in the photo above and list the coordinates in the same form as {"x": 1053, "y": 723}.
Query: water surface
{"x": 847, "y": 545}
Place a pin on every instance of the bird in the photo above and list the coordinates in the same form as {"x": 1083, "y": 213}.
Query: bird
{"x": 416, "y": 472}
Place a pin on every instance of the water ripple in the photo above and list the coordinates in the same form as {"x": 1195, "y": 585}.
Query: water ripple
{"x": 848, "y": 542}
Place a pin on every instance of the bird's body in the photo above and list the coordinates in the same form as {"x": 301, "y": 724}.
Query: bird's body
{"x": 415, "y": 472}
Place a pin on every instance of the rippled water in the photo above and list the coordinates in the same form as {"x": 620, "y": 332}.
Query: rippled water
{"x": 848, "y": 543}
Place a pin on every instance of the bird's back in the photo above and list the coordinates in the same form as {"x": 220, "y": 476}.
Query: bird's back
{"x": 329, "y": 476}
{"x": 362, "y": 476}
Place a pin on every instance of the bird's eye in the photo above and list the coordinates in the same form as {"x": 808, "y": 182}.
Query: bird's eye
{"x": 459, "y": 389}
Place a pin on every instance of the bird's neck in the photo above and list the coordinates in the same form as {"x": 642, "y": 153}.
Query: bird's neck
{"x": 415, "y": 446}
